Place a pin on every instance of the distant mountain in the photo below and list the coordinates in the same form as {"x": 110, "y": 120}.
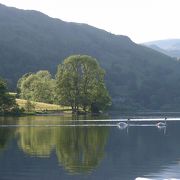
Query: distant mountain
{"x": 157, "y": 48}
{"x": 137, "y": 77}
{"x": 170, "y": 47}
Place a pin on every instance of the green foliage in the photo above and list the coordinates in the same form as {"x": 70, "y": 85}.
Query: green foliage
{"x": 37, "y": 87}
{"x": 80, "y": 84}
{"x": 7, "y": 101}
{"x": 29, "y": 106}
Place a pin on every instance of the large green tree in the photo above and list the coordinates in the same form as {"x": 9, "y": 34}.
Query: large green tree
{"x": 80, "y": 84}
{"x": 7, "y": 101}
{"x": 37, "y": 87}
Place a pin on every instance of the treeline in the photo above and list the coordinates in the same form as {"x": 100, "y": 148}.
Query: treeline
{"x": 78, "y": 83}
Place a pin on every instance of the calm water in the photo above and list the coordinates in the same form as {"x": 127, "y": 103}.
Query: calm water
{"x": 41, "y": 152}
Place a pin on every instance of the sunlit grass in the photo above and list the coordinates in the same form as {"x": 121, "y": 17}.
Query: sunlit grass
{"x": 12, "y": 94}
{"x": 39, "y": 106}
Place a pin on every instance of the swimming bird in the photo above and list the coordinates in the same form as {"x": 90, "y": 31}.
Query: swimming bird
{"x": 161, "y": 124}
{"x": 122, "y": 125}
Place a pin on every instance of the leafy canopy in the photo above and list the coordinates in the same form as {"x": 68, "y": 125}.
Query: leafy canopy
{"x": 80, "y": 84}
{"x": 37, "y": 87}
{"x": 7, "y": 101}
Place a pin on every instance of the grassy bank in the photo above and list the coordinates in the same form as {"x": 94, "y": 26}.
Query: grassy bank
{"x": 43, "y": 107}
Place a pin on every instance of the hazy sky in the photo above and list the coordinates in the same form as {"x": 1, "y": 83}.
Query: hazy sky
{"x": 141, "y": 20}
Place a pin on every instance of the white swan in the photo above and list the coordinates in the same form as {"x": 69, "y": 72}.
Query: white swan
{"x": 122, "y": 125}
{"x": 161, "y": 124}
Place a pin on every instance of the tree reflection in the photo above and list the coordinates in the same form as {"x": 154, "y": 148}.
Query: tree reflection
{"x": 78, "y": 149}
{"x": 6, "y": 134}
{"x": 36, "y": 141}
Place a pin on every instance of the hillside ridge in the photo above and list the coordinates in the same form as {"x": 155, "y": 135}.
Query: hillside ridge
{"x": 31, "y": 41}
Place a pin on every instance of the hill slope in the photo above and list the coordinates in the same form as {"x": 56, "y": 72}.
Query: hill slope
{"x": 170, "y": 47}
{"x": 136, "y": 76}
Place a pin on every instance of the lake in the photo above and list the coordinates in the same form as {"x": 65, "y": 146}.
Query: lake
{"x": 54, "y": 147}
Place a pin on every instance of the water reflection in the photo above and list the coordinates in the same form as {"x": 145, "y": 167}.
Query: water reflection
{"x": 144, "y": 151}
{"x": 81, "y": 149}
{"x": 36, "y": 141}
{"x": 6, "y": 134}
{"x": 78, "y": 149}
{"x": 97, "y": 153}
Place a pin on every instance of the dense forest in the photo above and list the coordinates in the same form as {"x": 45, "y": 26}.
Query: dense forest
{"x": 137, "y": 77}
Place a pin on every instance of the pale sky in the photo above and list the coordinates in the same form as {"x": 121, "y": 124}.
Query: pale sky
{"x": 141, "y": 20}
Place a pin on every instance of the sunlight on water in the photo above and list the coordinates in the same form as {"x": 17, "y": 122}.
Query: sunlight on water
{"x": 141, "y": 178}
